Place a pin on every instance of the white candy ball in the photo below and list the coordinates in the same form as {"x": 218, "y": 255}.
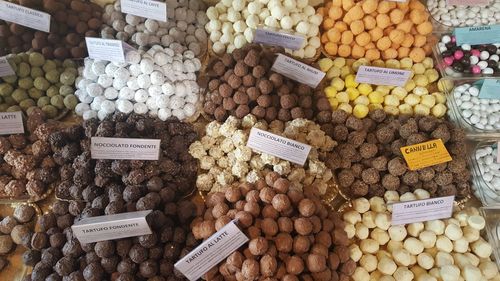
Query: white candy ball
{"x": 164, "y": 113}
{"x": 81, "y": 108}
{"x": 140, "y": 108}
{"x": 124, "y": 106}
{"x": 110, "y": 93}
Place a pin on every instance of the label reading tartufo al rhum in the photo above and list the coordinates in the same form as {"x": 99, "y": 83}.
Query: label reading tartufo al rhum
{"x": 24, "y": 16}
{"x": 298, "y": 71}
{"x": 5, "y": 68}
{"x": 280, "y": 39}
{"x": 124, "y": 148}
{"x": 422, "y": 210}
{"x": 11, "y": 123}
{"x": 212, "y": 251}
{"x": 278, "y": 146}
{"x": 488, "y": 34}
{"x": 425, "y": 154}
{"x": 382, "y": 76}
{"x": 145, "y": 8}
{"x": 102, "y": 228}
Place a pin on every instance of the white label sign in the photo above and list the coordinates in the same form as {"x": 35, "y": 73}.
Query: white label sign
{"x": 145, "y": 8}
{"x": 24, "y": 16}
{"x": 281, "y": 39}
{"x": 5, "y": 68}
{"x": 212, "y": 251}
{"x": 11, "y": 123}
{"x": 278, "y": 146}
{"x": 298, "y": 71}
{"x": 382, "y": 76}
{"x": 124, "y": 148}
{"x": 106, "y": 49}
{"x": 422, "y": 210}
{"x": 102, "y": 228}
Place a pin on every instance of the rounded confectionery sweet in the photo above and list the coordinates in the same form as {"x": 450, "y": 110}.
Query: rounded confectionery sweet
{"x": 368, "y": 160}
{"x": 71, "y": 22}
{"x": 486, "y": 161}
{"x": 375, "y": 30}
{"x": 463, "y": 15}
{"x": 303, "y": 240}
{"x": 446, "y": 249}
{"x": 466, "y": 59}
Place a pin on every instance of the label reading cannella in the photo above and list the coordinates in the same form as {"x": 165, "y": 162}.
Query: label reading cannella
{"x": 278, "y": 146}
{"x": 298, "y": 71}
{"x": 11, "y": 123}
{"x": 422, "y": 210}
{"x": 425, "y": 154}
{"x": 145, "y": 8}
{"x": 5, "y": 68}
{"x": 280, "y": 39}
{"x": 24, "y": 16}
{"x": 474, "y": 35}
{"x": 102, "y": 228}
{"x": 212, "y": 251}
{"x": 124, "y": 148}
{"x": 382, "y": 76}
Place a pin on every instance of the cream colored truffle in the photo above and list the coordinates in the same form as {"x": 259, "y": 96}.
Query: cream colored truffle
{"x": 375, "y": 275}
{"x": 470, "y": 234}
{"x": 443, "y": 258}
{"x": 391, "y": 196}
{"x": 421, "y": 194}
{"x": 368, "y": 262}
{"x": 413, "y": 245}
{"x": 361, "y": 205}
{"x": 362, "y": 231}
{"x": 350, "y": 230}
{"x": 386, "y": 278}
{"x": 355, "y": 252}
{"x": 414, "y": 229}
{"x": 369, "y": 246}
{"x": 449, "y": 272}
{"x": 403, "y": 274}
{"x": 397, "y": 232}
{"x": 428, "y": 238}
{"x": 471, "y": 273}
{"x": 383, "y": 221}
{"x": 380, "y": 236}
{"x": 408, "y": 196}
{"x": 352, "y": 217}
{"x": 425, "y": 261}
{"x": 436, "y": 226}
{"x": 377, "y": 204}
{"x": 460, "y": 245}
{"x": 369, "y": 219}
{"x": 462, "y": 217}
{"x": 435, "y": 273}
{"x": 387, "y": 266}
{"x": 383, "y": 254}
{"x": 360, "y": 274}
{"x": 481, "y": 248}
{"x": 476, "y": 222}
{"x": 393, "y": 245}
{"x": 473, "y": 259}
{"x": 453, "y": 231}
{"x": 489, "y": 269}
{"x": 444, "y": 244}
{"x": 402, "y": 257}
{"x": 426, "y": 277}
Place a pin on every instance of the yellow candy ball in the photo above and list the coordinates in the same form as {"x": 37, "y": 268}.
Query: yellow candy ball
{"x": 428, "y": 100}
{"x": 365, "y": 89}
{"x": 353, "y": 93}
{"x": 385, "y": 90}
{"x": 342, "y": 97}
{"x": 432, "y": 75}
{"x": 412, "y": 99}
{"x": 393, "y": 63}
{"x": 420, "y": 91}
{"x": 345, "y": 71}
{"x": 325, "y": 64}
{"x": 373, "y": 106}
{"x": 421, "y": 80}
{"x": 418, "y": 68}
{"x": 378, "y": 63}
{"x": 410, "y": 85}
{"x": 362, "y": 100}
{"x": 345, "y": 107}
{"x": 421, "y": 109}
{"x": 337, "y": 83}
{"x": 334, "y": 103}
{"x": 350, "y": 81}
{"x": 406, "y": 63}
{"x": 360, "y": 111}
{"x": 390, "y": 109}
{"x": 391, "y": 100}
{"x": 445, "y": 85}
{"x": 333, "y": 72}
{"x": 339, "y": 62}
{"x": 358, "y": 63}
{"x": 330, "y": 92}
{"x": 439, "y": 110}
{"x": 399, "y": 92}
{"x": 428, "y": 63}
{"x": 405, "y": 109}
{"x": 376, "y": 97}
{"x": 440, "y": 97}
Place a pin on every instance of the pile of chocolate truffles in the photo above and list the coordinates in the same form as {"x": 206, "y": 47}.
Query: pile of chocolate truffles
{"x": 242, "y": 83}
{"x": 71, "y": 22}
{"x": 368, "y": 160}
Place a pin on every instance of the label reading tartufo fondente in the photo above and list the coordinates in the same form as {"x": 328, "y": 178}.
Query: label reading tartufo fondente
{"x": 124, "y": 148}
{"x": 145, "y": 8}
{"x": 212, "y": 251}
{"x": 106, "y": 49}
{"x": 280, "y": 39}
{"x": 298, "y": 71}
{"x": 382, "y": 76}
{"x": 422, "y": 210}
{"x": 11, "y": 123}
{"x": 24, "y": 16}
{"x": 278, "y": 146}
{"x": 5, "y": 68}
{"x": 474, "y": 35}
{"x": 102, "y": 228}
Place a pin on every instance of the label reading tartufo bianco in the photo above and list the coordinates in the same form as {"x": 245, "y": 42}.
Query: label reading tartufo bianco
{"x": 124, "y": 148}
{"x": 422, "y": 210}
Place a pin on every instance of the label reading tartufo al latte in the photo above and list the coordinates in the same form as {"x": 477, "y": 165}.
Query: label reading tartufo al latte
{"x": 11, "y": 123}
{"x": 124, "y": 148}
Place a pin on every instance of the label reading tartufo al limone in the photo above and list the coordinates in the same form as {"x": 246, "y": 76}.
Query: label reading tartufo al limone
{"x": 124, "y": 148}
{"x": 106, "y": 49}
{"x": 490, "y": 89}
{"x": 5, "y": 68}
{"x": 212, "y": 251}
{"x": 11, "y": 123}
{"x": 145, "y": 8}
{"x": 474, "y": 35}
{"x": 278, "y": 146}
{"x": 382, "y": 76}
{"x": 298, "y": 71}
{"x": 425, "y": 154}
{"x": 422, "y": 210}
{"x": 102, "y": 228}
{"x": 24, "y": 16}
{"x": 280, "y": 39}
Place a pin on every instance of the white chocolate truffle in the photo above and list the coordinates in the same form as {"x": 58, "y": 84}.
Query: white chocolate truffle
{"x": 383, "y": 221}
{"x": 387, "y": 266}
{"x": 453, "y": 231}
{"x": 369, "y": 246}
{"x": 360, "y": 274}
{"x": 460, "y": 245}
{"x": 476, "y": 222}
{"x": 393, "y": 245}
{"x": 402, "y": 257}
{"x": 425, "y": 261}
{"x": 413, "y": 245}
{"x": 414, "y": 229}
{"x": 444, "y": 244}
{"x": 436, "y": 226}
{"x": 428, "y": 238}
{"x": 403, "y": 274}
{"x": 368, "y": 219}
{"x": 377, "y": 204}
{"x": 481, "y": 248}
{"x": 355, "y": 252}
{"x": 449, "y": 272}
{"x": 397, "y": 232}
{"x": 362, "y": 231}
{"x": 352, "y": 217}
{"x": 489, "y": 269}
{"x": 368, "y": 262}
{"x": 350, "y": 230}
{"x": 471, "y": 273}
{"x": 443, "y": 258}
{"x": 361, "y": 205}
{"x": 470, "y": 234}
{"x": 380, "y": 236}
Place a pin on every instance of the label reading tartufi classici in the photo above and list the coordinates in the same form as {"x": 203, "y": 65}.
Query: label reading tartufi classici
{"x": 474, "y": 35}
{"x": 105, "y": 49}
{"x": 382, "y": 76}
{"x": 24, "y": 16}
{"x": 422, "y": 210}
{"x": 490, "y": 89}
{"x": 212, "y": 251}
{"x": 280, "y": 39}
{"x": 278, "y": 146}
{"x": 298, "y": 71}
{"x": 102, "y": 228}
{"x": 425, "y": 154}
{"x": 5, "y": 68}
{"x": 124, "y": 148}
{"x": 145, "y": 8}
{"x": 11, "y": 123}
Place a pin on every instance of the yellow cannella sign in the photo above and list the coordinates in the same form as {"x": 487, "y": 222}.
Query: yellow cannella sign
{"x": 425, "y": 154}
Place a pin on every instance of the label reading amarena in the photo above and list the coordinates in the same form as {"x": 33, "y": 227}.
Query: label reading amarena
{"x": 105, "y": 49}
{"x": 474, "y": 35}
{"x": 124, "y": 149}
{"x": 24, "y": 16}
{"x": 278, "y": 146}
{"x": 382, "y": 76}
{"x": 5, "y": 68}
{"x": 11, "y": 123}
{"x": 490, "y": 89}
{"x": 422, "y": 210}
{"x": 212, "y": 251}
{"x": 425, "y": 154}
{"x": 298, "y": 71}
{"x": 468, "y": 2}
{"x": 145, "y": 8}
{"x": 281, "y": 39}
{"x": 102, "y": 228}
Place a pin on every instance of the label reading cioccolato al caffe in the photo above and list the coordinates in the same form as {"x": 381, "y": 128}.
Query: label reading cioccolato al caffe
{"x": 124, "y": 148}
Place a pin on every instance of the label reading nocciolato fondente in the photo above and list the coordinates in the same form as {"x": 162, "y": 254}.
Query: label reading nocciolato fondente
{"x": 124, "y": 148}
